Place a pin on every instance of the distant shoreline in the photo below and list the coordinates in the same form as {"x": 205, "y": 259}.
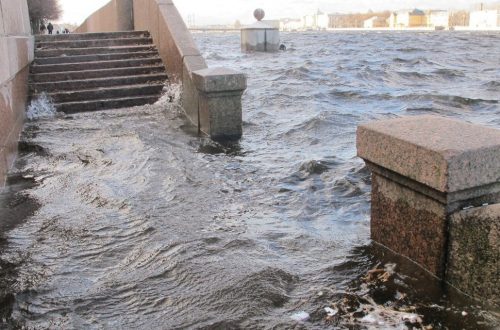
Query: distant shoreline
{"x": 456, "y": 28}
{"x": 414, "y": 29}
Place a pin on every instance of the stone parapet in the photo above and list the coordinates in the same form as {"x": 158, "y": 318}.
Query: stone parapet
{"x": 219, "y": 108}
{"x": 425, "y": 171}
{"x": 116, "y": 15}
{"x": 182, "y": 59}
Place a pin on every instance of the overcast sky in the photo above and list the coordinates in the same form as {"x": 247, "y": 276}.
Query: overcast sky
{"x": 227, "y": 11}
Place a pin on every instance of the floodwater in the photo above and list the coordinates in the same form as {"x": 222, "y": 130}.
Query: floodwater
{"x": 126, "y": 219}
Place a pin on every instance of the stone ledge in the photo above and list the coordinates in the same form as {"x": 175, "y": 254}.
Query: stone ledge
{"x": 219, "y": 80}
{"x": 445, "y": 154}
{"x": 474, "y": 197}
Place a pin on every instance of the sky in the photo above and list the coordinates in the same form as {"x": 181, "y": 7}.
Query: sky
{"x": 228, "y": 11}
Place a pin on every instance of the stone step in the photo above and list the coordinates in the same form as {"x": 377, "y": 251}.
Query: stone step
{"x": 68, "y": 85}
{"x": 97, "y": 71}
{"x": 91, "y": 36}
{"x": 92, "y": 74}
{"x": 42, "y": 53}
{"x": 94, "y": 65}
{"x": 93, "y": 43}
{"x": 105, "y": 93}
{"x": 104, "y": 104}
{"x": 94, "y": 58}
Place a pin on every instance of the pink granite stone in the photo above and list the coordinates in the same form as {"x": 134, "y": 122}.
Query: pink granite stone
{"x": 445, "y": 154}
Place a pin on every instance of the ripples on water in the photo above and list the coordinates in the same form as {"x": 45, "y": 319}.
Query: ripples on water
{"x": 125, "y": 219}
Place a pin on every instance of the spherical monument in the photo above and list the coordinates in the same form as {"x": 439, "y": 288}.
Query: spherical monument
{"x": 259, "y": 14}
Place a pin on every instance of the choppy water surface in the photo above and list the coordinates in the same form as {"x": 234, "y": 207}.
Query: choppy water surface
{"x": 125, "y": 219}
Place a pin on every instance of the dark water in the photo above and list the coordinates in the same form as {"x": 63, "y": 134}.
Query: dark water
{"x": 125, "y": 219}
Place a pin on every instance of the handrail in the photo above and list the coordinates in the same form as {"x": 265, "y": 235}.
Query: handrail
{"x": 116, "y": 15}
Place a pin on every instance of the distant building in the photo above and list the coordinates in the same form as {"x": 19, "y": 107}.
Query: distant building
{"x": 438, "y": 19}
{"x": 407, "y": 19}
{"x": 375, "y": 22}
{"x": 485, "y": 18}
{"x": 336, "y": 20}
{"x": 317, "y": 21}
{"x": 291, "y": 24}
{"x": 309, "y": 22}
{"x": 272, "y": 22}
{"x": 322, "y": 20}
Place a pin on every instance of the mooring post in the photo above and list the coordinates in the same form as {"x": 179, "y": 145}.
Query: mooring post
{"x": 435, "y": 183}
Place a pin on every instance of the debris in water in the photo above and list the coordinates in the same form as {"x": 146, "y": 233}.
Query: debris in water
{"x": 355, "y": 308}
{"x": 380, "y": 274}
{"x": 300, "y": 316}
{"x": 331, "y": 312}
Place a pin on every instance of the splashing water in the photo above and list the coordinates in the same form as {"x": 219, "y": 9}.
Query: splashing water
{"x": 41, "y": 107}
{"x": 171, "y": 96}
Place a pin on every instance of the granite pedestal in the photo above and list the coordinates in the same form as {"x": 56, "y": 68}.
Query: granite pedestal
{"x": 434, "y": 181}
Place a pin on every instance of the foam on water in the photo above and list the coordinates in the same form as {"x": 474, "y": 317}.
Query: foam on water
{"x": 171, "y": 96}
{"x": 41, "y": 107}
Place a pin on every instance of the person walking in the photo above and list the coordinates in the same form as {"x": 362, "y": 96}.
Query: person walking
{"x": 50, "y": 28}
{"x": 42, "y": 28}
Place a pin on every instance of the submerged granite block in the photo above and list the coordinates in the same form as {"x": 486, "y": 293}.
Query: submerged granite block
{"x": 425, "y": 170}
{"x": 474, "y": 262}
{"x": 409, "y": 223}
{"x": 220, "y": 91}
{"x": 260, "y": 38}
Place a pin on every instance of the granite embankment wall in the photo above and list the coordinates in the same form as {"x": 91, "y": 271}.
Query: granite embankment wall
{"x": 175, "y": 45}
{"x": 16, "y": 53}
{"x": 117, "y": 15}
{"x": 211, "y": 98}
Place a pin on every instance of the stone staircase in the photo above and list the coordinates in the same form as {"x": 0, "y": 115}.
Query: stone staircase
{"x": 97, "y": 71}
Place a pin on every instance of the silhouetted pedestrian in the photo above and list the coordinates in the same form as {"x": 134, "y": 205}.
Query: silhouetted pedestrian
{"x": 42, "y": 28}
{"x": 50, "y": 27}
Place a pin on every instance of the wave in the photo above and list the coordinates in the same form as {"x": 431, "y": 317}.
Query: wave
{"x": 319, "y": 166}
{"x": 214, "y": 56}
{"x": 413, "y": 75}
{"x": 449, "y": 73}
{"x": 350, "y": 94}
{"x": 493, "y": 86}
{"x": 447, "y": 99}
{"x": 410, "y": 49}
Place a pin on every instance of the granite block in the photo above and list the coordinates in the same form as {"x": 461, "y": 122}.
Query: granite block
{"x": 445, "y": 154}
